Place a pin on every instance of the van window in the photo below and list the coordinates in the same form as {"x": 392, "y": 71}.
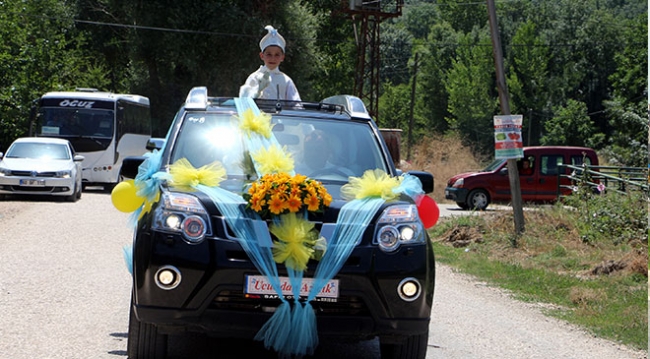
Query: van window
{"x": 578, "y": 160}
{"x": 549, "y": 164}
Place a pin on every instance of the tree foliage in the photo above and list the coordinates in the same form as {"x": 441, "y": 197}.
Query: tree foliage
{"x": 584, "y": 62}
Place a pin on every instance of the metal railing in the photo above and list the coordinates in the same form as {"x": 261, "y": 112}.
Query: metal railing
{"x": 613, "y": 178}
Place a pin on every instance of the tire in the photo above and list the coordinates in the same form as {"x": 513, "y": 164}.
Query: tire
{"x": 75, "y": 195}
{"x": 478, "y": 199}
{"x": 414, "y": 347}
{"x": 144, "y": 341}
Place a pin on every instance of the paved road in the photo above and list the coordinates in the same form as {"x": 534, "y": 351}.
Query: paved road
{"x": 64, "y": 293}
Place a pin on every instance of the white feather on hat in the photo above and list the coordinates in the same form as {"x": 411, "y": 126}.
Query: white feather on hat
{"x": 272, "y": 38}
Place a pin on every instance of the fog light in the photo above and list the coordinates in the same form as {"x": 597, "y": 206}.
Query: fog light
{"x": 409, "y": 289}
{"x": 168, "y": 277}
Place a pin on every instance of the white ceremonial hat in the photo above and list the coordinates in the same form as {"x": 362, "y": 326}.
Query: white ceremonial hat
{"x": 272, "y": 38}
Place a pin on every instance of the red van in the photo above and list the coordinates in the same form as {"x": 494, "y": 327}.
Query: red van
{"x": 539, "y": 183}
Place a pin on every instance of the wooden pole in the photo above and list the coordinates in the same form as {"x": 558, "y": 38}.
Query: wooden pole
{"x": 513, "y": 173}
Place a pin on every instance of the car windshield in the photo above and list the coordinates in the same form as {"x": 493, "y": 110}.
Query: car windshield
{"x": 35, "y": 150}
{"x": 494, "y": 165}
{"x": 328, "y": 150}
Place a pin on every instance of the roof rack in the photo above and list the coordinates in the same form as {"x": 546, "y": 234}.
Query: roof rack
{"x": 198, "y": 99}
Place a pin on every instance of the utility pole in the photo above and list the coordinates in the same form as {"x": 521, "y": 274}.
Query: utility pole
{"x": 513, "y": 173}
{"x": 410, "y": 136}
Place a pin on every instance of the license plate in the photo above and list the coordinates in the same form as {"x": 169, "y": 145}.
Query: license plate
{"x": 259, "y": 284}
{"x": 32, "y": 182}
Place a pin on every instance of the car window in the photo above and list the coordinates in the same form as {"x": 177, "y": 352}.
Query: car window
{"x": 579, "y": 160}
{"x": 349, "y": 147}
{"x": 549, "y": 164}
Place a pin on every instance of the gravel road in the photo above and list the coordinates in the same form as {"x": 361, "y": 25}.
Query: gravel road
{"x": 64, "y": 293}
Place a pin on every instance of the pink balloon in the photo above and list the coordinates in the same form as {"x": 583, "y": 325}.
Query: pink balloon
{"x": 428, "y": 210}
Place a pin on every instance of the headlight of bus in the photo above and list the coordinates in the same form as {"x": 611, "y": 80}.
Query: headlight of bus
{"x": 182, "y": 213}
{"x": 398, "y": 225}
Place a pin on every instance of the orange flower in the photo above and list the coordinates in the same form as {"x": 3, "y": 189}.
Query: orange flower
{"x": 294, "y": 204}
{"x": 276, "y": 204}
{"x": 312, "y": 202}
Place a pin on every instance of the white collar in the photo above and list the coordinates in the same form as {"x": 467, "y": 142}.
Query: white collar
{"x": 266, "y": 69}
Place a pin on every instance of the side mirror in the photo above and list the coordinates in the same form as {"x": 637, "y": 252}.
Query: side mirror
{"x": 130, "y": 166}
{"x": 503, "y": 171}
{"x": 426, "y": 178}
{"x": 77, "y": 158}
{"x": 155, "y": 144}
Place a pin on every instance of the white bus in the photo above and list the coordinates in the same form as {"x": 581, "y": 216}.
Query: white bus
{"x": 103, "y": 127}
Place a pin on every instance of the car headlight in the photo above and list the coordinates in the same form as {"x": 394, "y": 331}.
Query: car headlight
{"x": 63, "y": 174}
{"x": 459, "y": 183}
{"x": 398, "y": 225}
{"x": 4, "y": 171}
{"x": 182, "y": 213}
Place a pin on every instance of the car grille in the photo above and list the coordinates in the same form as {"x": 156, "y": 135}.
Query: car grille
{"x": 35, "y": 174}
{"x": 237, "y": 300}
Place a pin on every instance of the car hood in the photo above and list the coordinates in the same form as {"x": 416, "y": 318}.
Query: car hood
{"x": 453, "y": 179}
{"x": 26, "y": 164}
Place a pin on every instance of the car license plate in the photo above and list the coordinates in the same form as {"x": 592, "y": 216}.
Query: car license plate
{"x": 259, "y": 284}
{"x": 32, "y": 182}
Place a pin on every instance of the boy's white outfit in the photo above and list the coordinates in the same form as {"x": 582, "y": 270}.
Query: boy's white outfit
{"x": 270, "y": 84}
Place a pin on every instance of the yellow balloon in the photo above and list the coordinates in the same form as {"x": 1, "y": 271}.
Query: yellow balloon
{"x": 124, "y": 197}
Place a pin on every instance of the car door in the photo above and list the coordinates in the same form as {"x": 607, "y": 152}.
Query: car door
{"x": 528, "y": 179}
{"x": 547, "y": 181}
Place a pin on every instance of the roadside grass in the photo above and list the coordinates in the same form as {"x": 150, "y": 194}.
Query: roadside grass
{"x": 580, "y": 267}
{"x": 585, "y": 261}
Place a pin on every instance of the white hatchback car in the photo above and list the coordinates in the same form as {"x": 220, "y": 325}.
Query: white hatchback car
{"x": 41, "y": 166}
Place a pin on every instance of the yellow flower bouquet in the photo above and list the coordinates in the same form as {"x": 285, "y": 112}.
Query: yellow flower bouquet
{"x": 280, "y": 193}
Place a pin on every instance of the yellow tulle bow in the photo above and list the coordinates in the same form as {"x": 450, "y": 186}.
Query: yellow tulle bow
{"x": 373, "y": 183}
{"x": 273, "y": 160}
{"x": 296, "y": 241}
{"x": 185, "y": 176}
{"x": 251, "y": 123}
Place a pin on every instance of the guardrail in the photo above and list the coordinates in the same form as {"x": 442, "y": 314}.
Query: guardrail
{"x": 613, "y": 178}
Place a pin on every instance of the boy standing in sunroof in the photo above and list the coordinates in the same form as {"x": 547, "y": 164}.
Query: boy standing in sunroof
{"x": 268, "y": 82}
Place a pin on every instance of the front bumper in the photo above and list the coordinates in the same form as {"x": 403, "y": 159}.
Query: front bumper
{"x": 37, "y": 185}
{"x": 210, "y": 297}
{"x": 458, "y": 195}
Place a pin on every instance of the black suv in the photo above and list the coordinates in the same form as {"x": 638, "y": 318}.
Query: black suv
{"x": 193, "y": 270}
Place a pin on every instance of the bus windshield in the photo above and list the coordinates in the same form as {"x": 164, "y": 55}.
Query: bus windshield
{"x": 72, "y": 122}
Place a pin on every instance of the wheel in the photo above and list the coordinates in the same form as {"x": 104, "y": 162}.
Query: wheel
{"x": 76, "y": 194}
{"x": 478, "y": 199}
{"x": 144, "y": 341}
{"x": 414, "y": 347}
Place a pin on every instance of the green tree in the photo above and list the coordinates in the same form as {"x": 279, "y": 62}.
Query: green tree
{"x": 528, "y": 58}
{"x": 40, "y": 51}
{"x": 470, "y": 84}
{"x": 437, "y": 60}
{"x": 627, "y": 111}
{"x": 571, "y": 126}
{"x": 395, "y": 49}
